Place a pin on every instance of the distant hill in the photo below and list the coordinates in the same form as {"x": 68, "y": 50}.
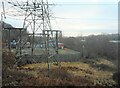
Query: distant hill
{"x": 6, "y": 25}
{"x": 14, "y": 34}
{"x": 94, "y": 46}
{"x": 5, "y": 32}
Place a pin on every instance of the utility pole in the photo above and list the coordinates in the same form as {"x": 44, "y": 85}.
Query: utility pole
{"x": 20, "y": 42}
{"x": 34, "y": 3}
{"x": 56, "y": 42}
{"x": 83, "y": 46}
{"x": 3, "y": 16}
{"x": 9, "y": 41}
{"x": 3, "y": 9}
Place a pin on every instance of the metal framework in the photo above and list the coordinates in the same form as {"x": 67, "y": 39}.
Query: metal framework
{"x": 37, "y": 19}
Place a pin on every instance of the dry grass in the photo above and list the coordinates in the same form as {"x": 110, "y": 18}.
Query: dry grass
{"x": 82, "y": 73}
{"x": 74, "y": 70}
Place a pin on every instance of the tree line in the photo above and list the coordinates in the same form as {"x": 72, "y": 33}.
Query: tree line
{"x": 94, "y": 46}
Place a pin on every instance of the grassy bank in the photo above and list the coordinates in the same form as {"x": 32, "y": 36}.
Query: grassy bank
{"x": 86, "y": 72}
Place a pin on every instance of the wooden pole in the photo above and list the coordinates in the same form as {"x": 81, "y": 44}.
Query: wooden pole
{"x": 20, "y": 42}
{"x": 9, "y": 41}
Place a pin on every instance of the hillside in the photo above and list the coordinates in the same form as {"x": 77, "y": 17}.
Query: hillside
{"x": 6, "y": 25}
{"x": 86, "y": 72}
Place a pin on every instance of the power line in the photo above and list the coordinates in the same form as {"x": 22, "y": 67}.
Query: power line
{"x": 37, "y": 17}
{"x": 70, "y": 18}
{"x": 86, "y": 3}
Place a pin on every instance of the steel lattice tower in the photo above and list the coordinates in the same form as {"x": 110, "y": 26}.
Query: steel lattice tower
{"x": 37, "y": 19}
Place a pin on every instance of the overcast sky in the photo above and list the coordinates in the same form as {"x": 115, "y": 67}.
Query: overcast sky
{"x": 82, "y": 17}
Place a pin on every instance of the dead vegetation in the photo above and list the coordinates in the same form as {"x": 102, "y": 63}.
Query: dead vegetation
{"x": 70, "y": 74}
